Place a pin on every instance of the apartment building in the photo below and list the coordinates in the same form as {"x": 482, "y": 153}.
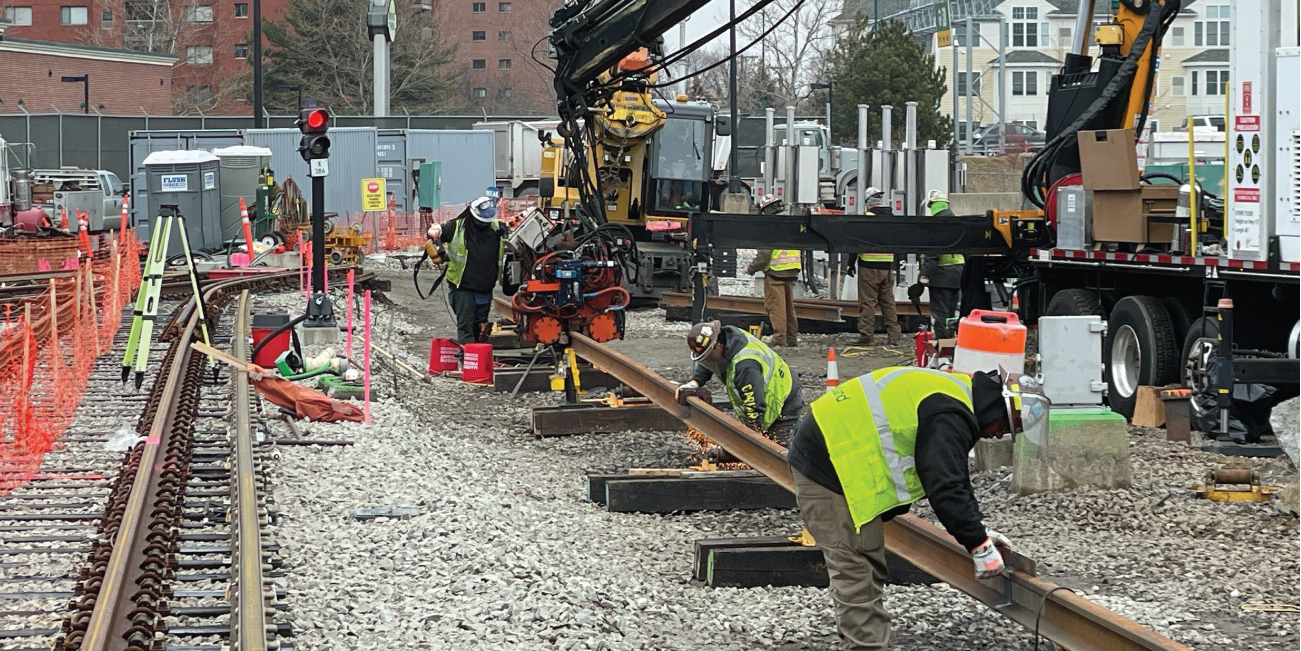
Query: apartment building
{"x": 497, "y": 42}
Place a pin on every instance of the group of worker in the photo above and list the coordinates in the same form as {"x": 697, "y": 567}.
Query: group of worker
{"x": 941, "y": 275}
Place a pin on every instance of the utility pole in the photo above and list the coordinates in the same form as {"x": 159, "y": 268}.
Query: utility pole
{"x": 971, "y": 90}
{"x": 682, "y": 67}
{"x": 257, "y": 64}
{"x": 381, "y": 21}
{"x": 734, "y": 179}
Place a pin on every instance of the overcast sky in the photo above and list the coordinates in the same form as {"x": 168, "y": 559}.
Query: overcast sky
{"x": 702, "y": 22}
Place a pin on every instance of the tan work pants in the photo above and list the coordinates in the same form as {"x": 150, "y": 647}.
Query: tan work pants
{"x": 779, "y": 303}
{"x": 876, "y": 289}
{"x": 855, "y": 564}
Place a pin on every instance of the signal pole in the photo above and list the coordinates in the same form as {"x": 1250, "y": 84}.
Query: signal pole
{"x": 315, "y": 150}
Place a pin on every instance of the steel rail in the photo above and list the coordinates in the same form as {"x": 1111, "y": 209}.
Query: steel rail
{"x": 812, "y": 309}
{"x": 248, "y": 625}
{"x": 1061, "y": 616}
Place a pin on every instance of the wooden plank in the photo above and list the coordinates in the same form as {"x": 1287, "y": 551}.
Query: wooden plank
{"x": 585, "y": 419}
{"x": 595, "y": 483}
{"x": 681, "y": 494}
{"x": 700, "y": 567}
{"x": 899, "y": 571}
{"x": 752, "y": 567}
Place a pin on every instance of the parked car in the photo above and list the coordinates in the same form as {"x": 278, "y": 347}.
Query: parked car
{"x": 1017, "y": 138}
{"x": 1202, "y": 123}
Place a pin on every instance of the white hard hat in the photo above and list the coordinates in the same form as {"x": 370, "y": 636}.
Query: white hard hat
{"x": 483, "y": 209}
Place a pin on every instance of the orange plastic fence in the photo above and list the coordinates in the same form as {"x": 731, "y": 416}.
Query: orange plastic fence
{"x": 393, "y": 231}
{"x": 49, "y": 341}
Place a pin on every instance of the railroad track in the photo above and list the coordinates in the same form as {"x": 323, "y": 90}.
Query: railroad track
{"x": 1059, "y": 615}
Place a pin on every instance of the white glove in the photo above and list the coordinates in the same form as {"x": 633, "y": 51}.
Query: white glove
{"x": 988, "y": 562}
{"x": 434, "y": 231}
{"x": 924, "y": 280}
{"x": 687, "y": 386}
{"x": 999, "y": 539}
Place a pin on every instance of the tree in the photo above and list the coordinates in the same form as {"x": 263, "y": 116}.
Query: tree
{"x": 887, "y": 67}
{"x": 795, "y": 53}
{"x": 323, "y": 47}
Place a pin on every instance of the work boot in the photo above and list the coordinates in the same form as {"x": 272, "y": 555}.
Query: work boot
{"x": 866, "y": 340}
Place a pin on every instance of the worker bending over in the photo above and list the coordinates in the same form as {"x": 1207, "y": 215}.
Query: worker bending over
{"x": 765, "y": 395}
{"x": 872, "y": 446}
{"x": 781, "y": 268}
{"x": 474, "y": 255}
{"x": 941, "y": 274}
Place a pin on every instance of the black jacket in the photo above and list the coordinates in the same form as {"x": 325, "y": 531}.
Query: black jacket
{"x": 946, "y": 433}
{"x": 748, "y": 379}
{"x": 483, "y": 251}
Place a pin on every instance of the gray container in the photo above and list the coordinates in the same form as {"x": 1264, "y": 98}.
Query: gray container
{"x": 391, "y": 155}
{"x": 190, "y": 180}
{"x": 1074, "y": 218}
{"x": 352, "y": 158}
{"x": 469, "y": 166}
{"x": 143, "y": 143}
{"x": 241, "y": 165}
{"x": 1070, "y": 349}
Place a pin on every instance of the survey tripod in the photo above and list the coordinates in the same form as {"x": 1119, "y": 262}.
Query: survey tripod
{"x": 146, "y": 310}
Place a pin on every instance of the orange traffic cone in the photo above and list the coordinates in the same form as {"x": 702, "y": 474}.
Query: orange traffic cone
{"x": 833, "y": 371}
{"x": 122, "y": 226}
{"x": 83, "y": 224}
{"x": 248, "y": 229}
{"x": 63, "y": 214}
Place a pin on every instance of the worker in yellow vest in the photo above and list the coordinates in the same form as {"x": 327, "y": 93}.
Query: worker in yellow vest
{"x": 781, "y": 268}
{"x": 876, "y": 291}
{"x": 941, "y": 274}
{"x": 764, "y": 392}
{"x": 474, "y": 255}
{"x": 872, "y": 446}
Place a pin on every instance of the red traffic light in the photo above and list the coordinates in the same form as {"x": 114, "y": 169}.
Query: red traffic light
{"x": 315, "y": 120}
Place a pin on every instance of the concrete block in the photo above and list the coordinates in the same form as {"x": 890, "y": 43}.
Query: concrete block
{"x": 992, "y": 454}
{"x": 319, "y": 335}
{"x": 1085, "y": 446}
{"x": 738, "y": 203}
{"x": 976, "y": 203}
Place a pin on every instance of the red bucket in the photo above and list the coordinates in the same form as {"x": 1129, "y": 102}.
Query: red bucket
{"x": 477, "y": 368}
{"x": 442, "y": 356}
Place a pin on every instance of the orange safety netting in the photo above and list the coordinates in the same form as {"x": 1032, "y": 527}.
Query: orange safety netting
{"x": 394, "y": 231}
{"x": 52, "y": 332}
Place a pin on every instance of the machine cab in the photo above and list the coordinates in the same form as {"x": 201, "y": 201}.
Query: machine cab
{"x": 680, "y": 163}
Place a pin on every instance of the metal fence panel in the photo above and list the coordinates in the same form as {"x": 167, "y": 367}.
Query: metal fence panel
{"x": 469, "y": 167}
{"x": 392, "y": 160}
{"x": 352, "y": 158}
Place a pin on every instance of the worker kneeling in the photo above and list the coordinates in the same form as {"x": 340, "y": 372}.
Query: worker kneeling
{"x": 474, "y": 255}
{"x": 872, "y": 446}
{"x": 765, "y": 395}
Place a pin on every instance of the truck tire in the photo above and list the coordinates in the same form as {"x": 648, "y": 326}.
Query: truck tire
{"x": 1140, "y": 351}
{"x": 1182, "y": 311}
{"x": 1075, "y": 302}
{"x": 1199, "y": 346}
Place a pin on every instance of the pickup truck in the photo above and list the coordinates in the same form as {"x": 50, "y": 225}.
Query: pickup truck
{"x": 96, "y": 192}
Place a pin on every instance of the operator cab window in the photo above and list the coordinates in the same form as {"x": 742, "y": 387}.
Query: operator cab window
{"x": 682, "y": 156}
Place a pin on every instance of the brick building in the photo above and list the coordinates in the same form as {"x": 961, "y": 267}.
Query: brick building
{"x": 121, "y": 81}
{"x": 495, "y": 44}
{"x": 207, "y": 38}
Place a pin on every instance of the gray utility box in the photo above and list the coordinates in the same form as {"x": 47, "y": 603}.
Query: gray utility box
{"x": 241, "y": 165}
{"x": 1074, "y": 218}
{"x": 87, "y": 201}
{"x": 190, "y": 180}
{"x": 1070, "y": 351}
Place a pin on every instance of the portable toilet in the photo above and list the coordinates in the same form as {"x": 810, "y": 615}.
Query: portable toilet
{"x": 189, "y": 180}
{"x": 241, "y": 167}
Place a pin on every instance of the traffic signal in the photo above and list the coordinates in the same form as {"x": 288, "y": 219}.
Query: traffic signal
{"x": 314, "y": 122}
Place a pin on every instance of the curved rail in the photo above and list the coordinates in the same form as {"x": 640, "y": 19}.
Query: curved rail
{"x": 248, "y": 622}
{"x": 1063, "y": 617}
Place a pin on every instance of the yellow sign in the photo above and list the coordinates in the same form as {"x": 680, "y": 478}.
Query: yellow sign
{"x": 943, "y": 39}
{"x": 373, "y": 195}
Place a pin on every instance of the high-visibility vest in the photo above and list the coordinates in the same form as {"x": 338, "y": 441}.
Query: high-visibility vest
{"x": 458, "y": 252}
{"x": 951, "y": 259}
{"x": 870, "y": 426}
{"x": 876, "y": 257}
{"x": 777, "y": 381}
{"x": 784, "y": 259}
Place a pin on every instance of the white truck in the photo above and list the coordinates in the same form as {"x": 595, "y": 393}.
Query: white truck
{"x": 97, "y": 193}
{"x": 517, "y": 154}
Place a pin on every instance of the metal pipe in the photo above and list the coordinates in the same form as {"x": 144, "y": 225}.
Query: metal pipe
{"x": 971, "y": 67}
{"x": 1083, "y": 25}
{"x": 788, "y": 185}
{"x": 768, "y": 152}
{"x": 1002, "y": 84}
{"x": 957, "y": 135}
{"x": 860, "y": 188}
{"x": 910, "y": 158}
{"x": 257, "y": 65}
{"x": 887, "y": 156}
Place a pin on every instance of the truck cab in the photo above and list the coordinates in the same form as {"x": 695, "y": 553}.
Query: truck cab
{"x": 681, "y": 168}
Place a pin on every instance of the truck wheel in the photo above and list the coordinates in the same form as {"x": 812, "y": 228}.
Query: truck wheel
{"x": 1199, "y": 348}
{"x": 1183, "y": 312}
{"x": 1140, "y": 351}
{"x": 1075, "y": 302}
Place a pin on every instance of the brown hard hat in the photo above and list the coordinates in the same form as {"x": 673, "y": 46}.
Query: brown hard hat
{"x": 702, "y": 337}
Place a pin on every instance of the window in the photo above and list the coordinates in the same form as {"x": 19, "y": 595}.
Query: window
{"x": 19, "y": 15}
{"x": 479, "y": 36}
{"x": 198, "y": 14}
{"x": 1177, "y": 36}
{"x": 480, "y": 92}
{"x": 1214, "y": 31}
{"x": 198, "y": 94}
{"x": 198, "y": 55}
{"x": 506, "y": 92}
{"x": 479, "y": 64}
{"x": 962, "y": 84}
{"x": 478, "y": 7}
{"x": 503, "y": 7}
{"x": 960, "y": 33}
{"x": 72, "y": 15}
{"x": 1064, "y": 37}
{"x": 106, "y": 20}
{"x": 503, "y": 35}
{"x": 1025, "y": 27}
{"x": 1177, "y": 86}
{"x": 503, "y": 64}
{"x": 241, "y": 50}
{"x": 1025, "y": 83}
{"x": 1194, "y": 84}
{"x": 241, "y": 10}
{"x": 1215, "y": 81}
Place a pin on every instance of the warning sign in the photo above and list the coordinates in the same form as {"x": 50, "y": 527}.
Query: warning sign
{"x": 1246, "y": 122}
{"x": 372, "y": 195}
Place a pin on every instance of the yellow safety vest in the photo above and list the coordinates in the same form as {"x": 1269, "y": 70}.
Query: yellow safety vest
{"x": 951, "y": 259}
{"x": 870, "y": 426}
{"x": 876, "y": 257}
{"x": 784, "y": 259}
{"x": 776, "y": 380}
{"x": 459, "y": 252}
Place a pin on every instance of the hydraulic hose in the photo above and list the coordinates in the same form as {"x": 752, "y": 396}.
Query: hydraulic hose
{"x": 274, "y": 333}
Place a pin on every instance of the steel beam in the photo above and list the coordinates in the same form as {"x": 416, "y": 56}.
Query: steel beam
{"x": 812, "y": 309}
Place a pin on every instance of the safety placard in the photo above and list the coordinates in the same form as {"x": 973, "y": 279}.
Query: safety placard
{"x": 372, "y": 195}
{"x": 174, "y": 183}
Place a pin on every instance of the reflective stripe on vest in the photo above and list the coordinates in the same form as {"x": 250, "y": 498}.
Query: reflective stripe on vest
{"x": 876, "y": 257}
{"x": 459, "y": 252}
{"x": 777, "y": 382}
{"x": 870, "y": 426}
{"x": 783, "y": 259}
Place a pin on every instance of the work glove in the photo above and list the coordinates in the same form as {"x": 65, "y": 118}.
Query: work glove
{"x": 685, "y": 387}
{"x": 989, "y": 563}
{"x": 434, "y": 231}
{"x": 999, "y": 539}
{"x": 852, "y": 267}
{"x": 923, "y": 280}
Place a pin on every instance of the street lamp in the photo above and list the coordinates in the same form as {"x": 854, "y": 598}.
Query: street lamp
{"x": 85, "y": 81}
{"x": 299, "y": 89}
{"x": 827, "y": 87}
